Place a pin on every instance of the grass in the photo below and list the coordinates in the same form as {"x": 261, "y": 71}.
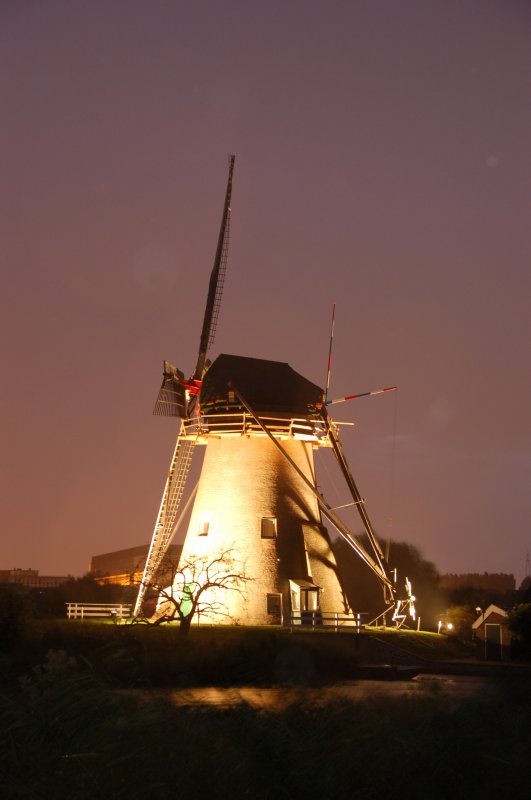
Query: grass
{"x": 136, "y": 655}
{"x": 426, "y": 645}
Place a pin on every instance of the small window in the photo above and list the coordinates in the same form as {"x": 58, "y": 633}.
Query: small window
{"x": 203, "y": 530}
{"x": 269, "y": 527}
{"x": 274, "y": 604}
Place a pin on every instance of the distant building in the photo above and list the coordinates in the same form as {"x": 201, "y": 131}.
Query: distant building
{"x": 492, "y": 634}
{"x": 125, "y": 567}
{"x": 490, "y": 581}
{"x": 31, "y": 578}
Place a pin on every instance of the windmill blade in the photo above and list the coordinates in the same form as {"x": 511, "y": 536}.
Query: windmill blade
{"x": 398, "y": 617}
{"x": 362, "y": 394}
{"x": 356, "y": 496}
{"x": 169, "y": 508}
{"x": 217, "y": 279}
{"x": 171, "y": 400}
{"x": 329, "y": 367}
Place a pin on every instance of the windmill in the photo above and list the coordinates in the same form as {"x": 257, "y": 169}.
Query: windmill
{"x": 260, "y": 422}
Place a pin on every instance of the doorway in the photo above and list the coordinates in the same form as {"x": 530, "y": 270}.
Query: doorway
{"x": 305, "y": 602}
{"x": 493, "y": 642}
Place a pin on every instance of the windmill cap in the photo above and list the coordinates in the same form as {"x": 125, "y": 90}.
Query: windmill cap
{"x": 268, "y": 386}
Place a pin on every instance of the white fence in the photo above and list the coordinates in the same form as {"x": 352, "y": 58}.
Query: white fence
{"x": 114, "y": 611}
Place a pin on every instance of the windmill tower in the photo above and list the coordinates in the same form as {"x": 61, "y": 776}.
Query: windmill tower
{"x": 257, "y": 496}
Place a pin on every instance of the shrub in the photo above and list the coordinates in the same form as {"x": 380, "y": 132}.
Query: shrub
{"x": 16, "y": 608}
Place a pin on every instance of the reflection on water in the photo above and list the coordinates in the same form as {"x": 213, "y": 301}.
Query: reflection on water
{"x": 455, "y": 687}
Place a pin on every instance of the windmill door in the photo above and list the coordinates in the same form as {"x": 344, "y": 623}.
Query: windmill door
{"x": 304, "y": 602}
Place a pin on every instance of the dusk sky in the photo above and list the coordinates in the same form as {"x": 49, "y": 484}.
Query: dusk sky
{"x": 382, "y": 162}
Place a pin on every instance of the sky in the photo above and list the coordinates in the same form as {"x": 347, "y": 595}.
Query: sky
{"x": 382, "y": 163}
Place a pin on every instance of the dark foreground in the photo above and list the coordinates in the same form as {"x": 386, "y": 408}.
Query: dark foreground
{"x": 66, "y": 734}
{"x": 84, "y": 715}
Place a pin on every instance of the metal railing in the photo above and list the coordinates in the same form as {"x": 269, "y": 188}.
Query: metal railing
{"x": 243, "y": 424}
{"x": 334, "y": 620}
{"x": 114, "y": 611}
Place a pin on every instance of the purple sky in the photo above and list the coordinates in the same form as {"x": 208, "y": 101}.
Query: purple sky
{"x": 382, "y": 162}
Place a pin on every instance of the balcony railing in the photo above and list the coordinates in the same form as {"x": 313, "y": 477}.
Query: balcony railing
{"x": 243, "y": 424}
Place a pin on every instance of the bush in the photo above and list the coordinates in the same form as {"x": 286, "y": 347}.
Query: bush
{"x": 461, "y": 617}
{"x": 520, "y": 627}
{"x": 16, "y": 608}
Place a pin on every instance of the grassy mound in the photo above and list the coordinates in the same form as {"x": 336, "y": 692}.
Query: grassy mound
{"x": 136, "y": 655}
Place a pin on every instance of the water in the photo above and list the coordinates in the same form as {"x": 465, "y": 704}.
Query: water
{"x": 276, "y": 699}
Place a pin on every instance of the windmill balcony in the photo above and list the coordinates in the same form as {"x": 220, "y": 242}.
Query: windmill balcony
{"x": 214, "y": 425}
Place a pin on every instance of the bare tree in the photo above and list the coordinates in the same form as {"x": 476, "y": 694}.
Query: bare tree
{"x": 194, "y": 587}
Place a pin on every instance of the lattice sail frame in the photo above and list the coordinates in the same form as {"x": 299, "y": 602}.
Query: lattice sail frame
{"x": 177, "y": 398}
{"x": 168, "y": 511}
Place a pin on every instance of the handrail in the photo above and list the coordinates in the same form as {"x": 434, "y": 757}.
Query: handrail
{"x": 335, "y": 620}
{"x": 244, "y": 424}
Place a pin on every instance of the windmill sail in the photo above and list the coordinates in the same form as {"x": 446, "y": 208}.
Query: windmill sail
{"x": 217, "y": 279}
{"x": 167, "y": 516}
{"x": 174, "y": 401}
{"x": 358, "y": 501}
{"x": 171, "y": 400}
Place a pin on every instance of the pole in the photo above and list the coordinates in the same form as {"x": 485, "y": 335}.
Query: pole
{"x": 361, "y": 394}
